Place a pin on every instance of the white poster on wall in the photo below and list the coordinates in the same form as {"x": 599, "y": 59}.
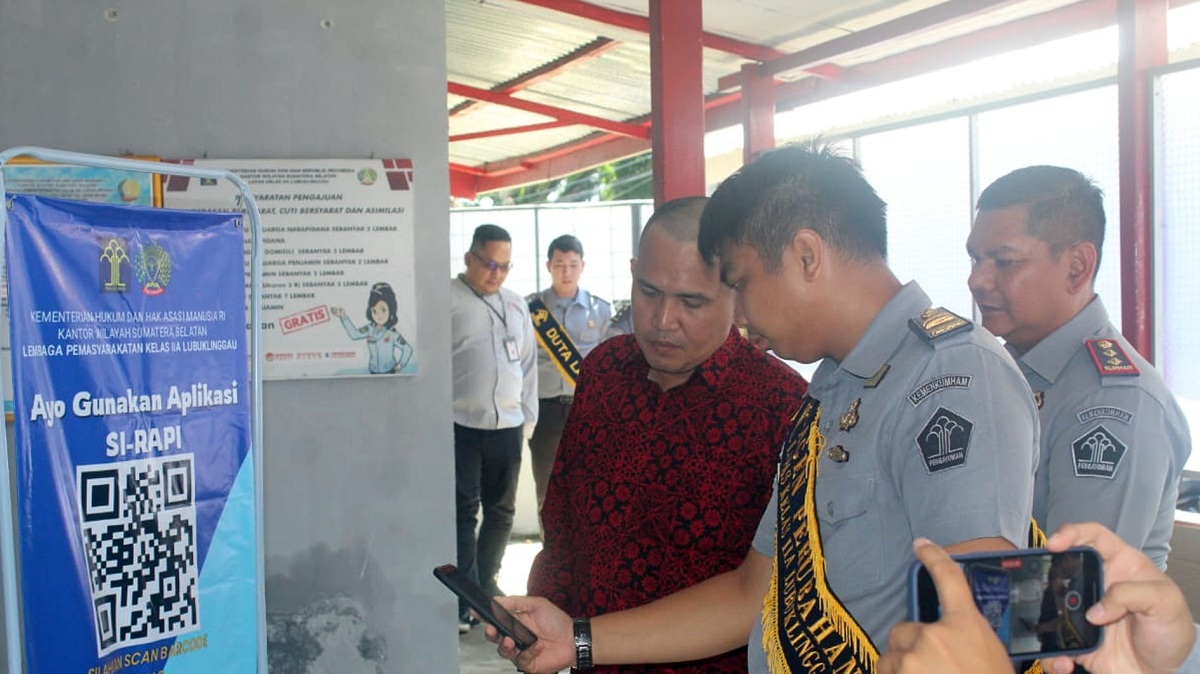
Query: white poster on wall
{"x": 338, "y": 284}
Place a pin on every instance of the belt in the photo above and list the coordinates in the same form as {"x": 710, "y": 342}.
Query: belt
{"x": 560, "y": 400}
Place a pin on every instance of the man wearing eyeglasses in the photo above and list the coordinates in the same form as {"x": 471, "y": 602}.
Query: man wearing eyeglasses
{"x": 495, "y": 403}
{"x": 568, "y": 323}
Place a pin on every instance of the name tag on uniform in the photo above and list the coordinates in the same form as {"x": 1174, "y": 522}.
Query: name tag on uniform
{"x": 510, "y": 347}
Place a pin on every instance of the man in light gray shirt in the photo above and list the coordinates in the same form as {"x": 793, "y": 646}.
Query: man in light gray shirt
{"x": 584, "y": 318}
{"x": 495, "y": 403}
{"x": 1113, "y": 439}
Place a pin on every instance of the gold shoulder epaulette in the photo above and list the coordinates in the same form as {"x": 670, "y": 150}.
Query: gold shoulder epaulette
{"x": 1110, "y": 358}
{"x": 938, "y": 322}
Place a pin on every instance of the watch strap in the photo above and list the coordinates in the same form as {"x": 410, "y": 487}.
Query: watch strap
{"x": 583, "y": 644}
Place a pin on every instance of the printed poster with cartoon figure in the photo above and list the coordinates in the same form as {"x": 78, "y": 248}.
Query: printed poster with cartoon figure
{"x": 338, "y": 286}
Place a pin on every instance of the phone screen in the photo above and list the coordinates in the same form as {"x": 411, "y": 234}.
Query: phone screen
{"x": 1035, "y": 600}
{"x": 485, "y": 606}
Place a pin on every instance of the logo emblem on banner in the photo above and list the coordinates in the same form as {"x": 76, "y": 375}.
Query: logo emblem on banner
{"x": 114, "y": 264}
{"x": 153, "y": 266}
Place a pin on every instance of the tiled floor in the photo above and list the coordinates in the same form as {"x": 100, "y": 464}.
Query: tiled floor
{"x": 476, "y": 654}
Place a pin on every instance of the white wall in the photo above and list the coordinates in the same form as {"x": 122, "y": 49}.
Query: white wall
{"x": 359, "y": 473}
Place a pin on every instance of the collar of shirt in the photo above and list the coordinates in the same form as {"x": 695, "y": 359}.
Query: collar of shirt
{"x": 883, "y": 336}
{"x": 711, "y": 371}
{"x": 462, "y": 278}
{"x": 553, "y": 301}
{"x": 1050, "y": 356}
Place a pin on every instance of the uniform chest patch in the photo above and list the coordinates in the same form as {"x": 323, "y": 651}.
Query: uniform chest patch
{"x": 1098, "y": 453}
{"x": 944, "y": 440}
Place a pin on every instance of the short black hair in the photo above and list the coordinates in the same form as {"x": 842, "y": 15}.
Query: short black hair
{"x": 566, "y": 243}
{"x": 679, "y": 217}
{"x": 808, "y": 186}
{"x": 382, "y": 292}
{"x": 1064, "y": 206}
{"x": 485, "y": 234}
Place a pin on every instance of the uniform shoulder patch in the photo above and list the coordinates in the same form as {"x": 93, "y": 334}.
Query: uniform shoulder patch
{"x": 1110, "y": 358}
{"x": 937, "y": 384}
{"x": 1097, "y": 453}
{"x": 938, "y": 322}
{"x": 620, "y": 308}
{"x": 1105, "y": 412}
{"x": 944, "y": 439}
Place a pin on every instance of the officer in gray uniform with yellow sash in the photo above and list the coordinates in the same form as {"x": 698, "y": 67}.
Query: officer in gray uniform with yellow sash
{"x": 1113, "y": 439}
{"x": 914, "y": 440}
{"x": 568, "y": 323}
{"x": 917, "y": 423}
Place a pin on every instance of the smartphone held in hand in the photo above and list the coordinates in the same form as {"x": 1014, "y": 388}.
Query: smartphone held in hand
{"x": 1035, "y": 600}
{"x": 484, "y": 606}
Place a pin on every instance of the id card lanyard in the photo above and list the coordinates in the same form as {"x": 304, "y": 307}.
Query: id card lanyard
{"x": 510, "y": 342}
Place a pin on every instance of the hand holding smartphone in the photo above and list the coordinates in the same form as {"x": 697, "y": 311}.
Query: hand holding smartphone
{"x": 484, "y": 606}
{"x": 1034, "y": 600}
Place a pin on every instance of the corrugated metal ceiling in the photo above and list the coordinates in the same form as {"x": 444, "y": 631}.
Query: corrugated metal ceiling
{"x": 494, "y": 41}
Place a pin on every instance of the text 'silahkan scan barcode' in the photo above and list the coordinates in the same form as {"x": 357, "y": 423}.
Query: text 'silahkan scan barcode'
{"x": 139, "y": 535}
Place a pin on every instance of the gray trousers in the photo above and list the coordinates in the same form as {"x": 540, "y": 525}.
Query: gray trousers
{"x": 543, "y": 446}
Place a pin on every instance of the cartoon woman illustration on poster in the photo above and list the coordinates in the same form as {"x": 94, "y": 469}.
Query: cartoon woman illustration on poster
{"x": 389, "y": 352}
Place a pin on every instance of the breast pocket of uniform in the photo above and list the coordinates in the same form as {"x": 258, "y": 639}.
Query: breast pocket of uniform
{"x": 592, "y": 332}
{"x": 850, "y": 533}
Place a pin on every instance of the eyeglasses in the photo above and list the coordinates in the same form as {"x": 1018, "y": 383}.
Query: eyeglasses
{"x": 492, "y": 265}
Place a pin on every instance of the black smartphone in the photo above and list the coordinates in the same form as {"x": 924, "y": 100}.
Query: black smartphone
{"x": 1035, "y": 600}
{"x": 486, "y": 607}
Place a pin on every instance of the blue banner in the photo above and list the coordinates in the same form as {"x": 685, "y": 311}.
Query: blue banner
{"x": 992, "y": 595}
{"x": 132, "y": 423}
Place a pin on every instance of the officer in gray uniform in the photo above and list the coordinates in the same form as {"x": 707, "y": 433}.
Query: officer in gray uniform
{"x": 925, "y": 436}
{"x": 1113, "y": 439}
{"x": 585, "y": 318}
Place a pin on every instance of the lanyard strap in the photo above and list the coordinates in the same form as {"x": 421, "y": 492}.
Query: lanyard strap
{"x": 502, "y": 317}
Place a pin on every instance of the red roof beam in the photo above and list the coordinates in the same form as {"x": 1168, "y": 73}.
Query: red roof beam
{"x": 641, "y": 24}
{"x": 546, "y": 71}
{"x": 946, "y": 12}
{"x": 468, "y": 170}
{"x": 462, "y": 185}
{"x": 509, "y": 131}
{"x": 561, "y": 114}
{"x": 598, "y": 149}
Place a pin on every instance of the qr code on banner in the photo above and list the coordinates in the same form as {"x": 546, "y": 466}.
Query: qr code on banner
{"x": 139, "y": 537}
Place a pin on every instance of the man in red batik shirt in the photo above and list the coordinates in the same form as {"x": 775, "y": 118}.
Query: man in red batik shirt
{"x": 668, "y": 457}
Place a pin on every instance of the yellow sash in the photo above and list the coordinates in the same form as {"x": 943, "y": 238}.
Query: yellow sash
{"x": 555, "y": 341}
{"x": 1037, "y": 539}
{"x": 805, "y": 626}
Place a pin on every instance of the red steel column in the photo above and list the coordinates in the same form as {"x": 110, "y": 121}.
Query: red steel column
{"x": 677, "y": 98}
{"x": 758, "y": 112}
{"x": 1142, "y": 25}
